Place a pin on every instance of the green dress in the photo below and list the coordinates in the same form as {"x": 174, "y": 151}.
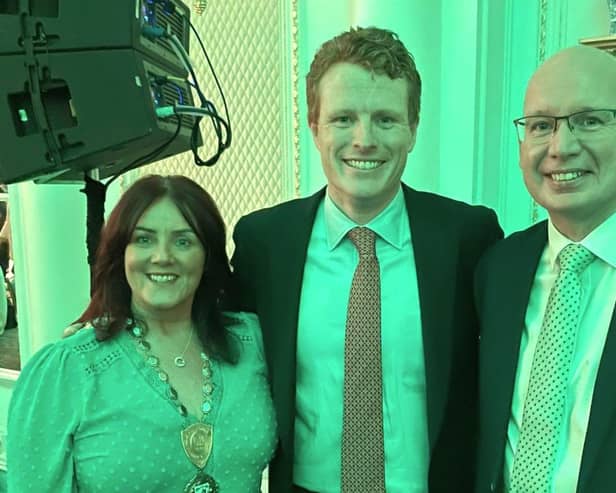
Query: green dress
{"x": 94, "y": 417}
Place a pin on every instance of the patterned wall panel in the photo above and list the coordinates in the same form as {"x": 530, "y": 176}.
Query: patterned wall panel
{"x": 249, "y": 44}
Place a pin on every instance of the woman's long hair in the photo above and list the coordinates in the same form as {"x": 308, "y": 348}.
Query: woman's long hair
{"x": 110, "y": 311}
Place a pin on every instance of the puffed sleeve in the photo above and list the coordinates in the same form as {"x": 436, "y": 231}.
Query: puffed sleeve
{"x": 43, "y": 417}
{"x": 251, "y": 320}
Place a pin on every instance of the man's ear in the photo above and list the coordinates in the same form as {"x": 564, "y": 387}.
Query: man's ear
{"x": 413, "y": 137}
{"x": 314, "y": 130}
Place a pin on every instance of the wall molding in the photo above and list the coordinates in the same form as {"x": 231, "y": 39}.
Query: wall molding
{"x": 290, "y": 101}
{"x": 541, "y": 56}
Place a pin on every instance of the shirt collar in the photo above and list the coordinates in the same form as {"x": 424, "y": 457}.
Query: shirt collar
{"x": 600, "y": 241}
{"x": 388, "y": 224}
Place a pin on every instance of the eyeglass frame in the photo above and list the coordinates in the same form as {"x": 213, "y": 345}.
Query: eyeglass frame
{"x": 519, "y": 122}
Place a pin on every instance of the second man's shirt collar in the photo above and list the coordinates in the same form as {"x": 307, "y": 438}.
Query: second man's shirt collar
{"x": 388, "y": 224}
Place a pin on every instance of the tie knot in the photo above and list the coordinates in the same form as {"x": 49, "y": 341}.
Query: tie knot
{"x": 575, "y": 258}
{"x": 363, "y": 239}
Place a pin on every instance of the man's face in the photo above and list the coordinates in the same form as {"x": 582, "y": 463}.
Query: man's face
{"x": 363, "y": 136}
{"x": 573, "y": 178}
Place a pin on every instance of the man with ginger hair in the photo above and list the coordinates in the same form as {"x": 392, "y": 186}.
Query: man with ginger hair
{"x": 295, "y": 266}
{"x": 546, "y": 296}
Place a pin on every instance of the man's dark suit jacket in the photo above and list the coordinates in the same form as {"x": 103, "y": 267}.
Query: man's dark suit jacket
{"x": 448, "y": 239}
{"x": 503, "y": 282}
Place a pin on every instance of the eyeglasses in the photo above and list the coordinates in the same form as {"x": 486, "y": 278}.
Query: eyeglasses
{"x": 538, "y": 129}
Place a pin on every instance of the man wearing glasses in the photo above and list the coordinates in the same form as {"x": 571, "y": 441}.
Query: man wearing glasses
{"x": 546, "y": 296}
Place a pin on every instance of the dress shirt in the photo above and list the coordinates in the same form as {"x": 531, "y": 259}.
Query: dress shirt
{"x": 330, "y": 264}
{"x": 596, "y": 309}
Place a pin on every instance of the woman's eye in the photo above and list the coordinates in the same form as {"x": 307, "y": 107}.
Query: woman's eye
{"x": 141, "y": 239}
{"x": 183, "y": 242}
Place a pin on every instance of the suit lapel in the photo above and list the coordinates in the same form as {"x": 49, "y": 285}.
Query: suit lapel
{"x": 435, "y": 256}
{"x": 603, "y": 406}
{"x": 501, "y": 350}
{"x": 502, "y": 323}
{"x": 286, "y": 268}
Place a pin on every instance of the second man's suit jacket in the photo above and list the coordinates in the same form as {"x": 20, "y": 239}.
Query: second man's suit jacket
{"x": 503, "y": 284}
{"x": 448, "y": 238}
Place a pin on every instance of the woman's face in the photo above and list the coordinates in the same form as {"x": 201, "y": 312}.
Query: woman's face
{"x": 163, "y": 262}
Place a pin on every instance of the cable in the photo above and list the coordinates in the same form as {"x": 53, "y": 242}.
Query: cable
{"x": 209, "y": 62}
{"x": 215, "y": 119}
{"x": 148, "y": 157}
{"x": 222, "y": 145}
{"x": 178, "y": 109}
{"x": 180, "y": 52}
{"x": 221, "y": 126}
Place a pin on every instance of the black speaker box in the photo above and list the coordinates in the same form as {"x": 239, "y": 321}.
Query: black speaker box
{"x": 99, "y": 107}
{"x": 80, "y": 86}
{"x": 76, "y": 25}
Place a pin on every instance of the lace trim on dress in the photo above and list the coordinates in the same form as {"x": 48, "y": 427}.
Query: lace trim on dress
{"x": 102, "y": 364}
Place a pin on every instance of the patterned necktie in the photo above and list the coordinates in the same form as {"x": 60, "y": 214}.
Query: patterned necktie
{"x": 363, "y": 457}
{"x": 544, "y": 405}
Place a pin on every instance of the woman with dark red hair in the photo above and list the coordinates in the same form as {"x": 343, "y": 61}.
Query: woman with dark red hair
{"x": 162, "y": 391}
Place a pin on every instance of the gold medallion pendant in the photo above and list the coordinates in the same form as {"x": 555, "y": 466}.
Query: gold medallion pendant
{"x": 197, "y": 443}
{"x": 202, "y": 483}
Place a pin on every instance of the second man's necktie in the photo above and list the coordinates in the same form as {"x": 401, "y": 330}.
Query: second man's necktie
{"x": 363, "y": 457}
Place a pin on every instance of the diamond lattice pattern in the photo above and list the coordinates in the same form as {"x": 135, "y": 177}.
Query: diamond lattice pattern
{"x": 245, "y": 42}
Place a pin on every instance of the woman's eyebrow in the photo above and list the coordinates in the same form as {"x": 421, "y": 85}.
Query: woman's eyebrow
{"x": 175, "y": 231}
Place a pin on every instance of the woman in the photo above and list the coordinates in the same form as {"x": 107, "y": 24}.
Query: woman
{"x": 163, "y": 392}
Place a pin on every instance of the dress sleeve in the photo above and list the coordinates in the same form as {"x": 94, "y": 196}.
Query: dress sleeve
{"x": 43, "y": 417}
{"x": 251, "y": 320}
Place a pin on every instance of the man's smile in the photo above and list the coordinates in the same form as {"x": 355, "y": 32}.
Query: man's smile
{"x": 363, "y": 164}
{"x": 566, "y": 176}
